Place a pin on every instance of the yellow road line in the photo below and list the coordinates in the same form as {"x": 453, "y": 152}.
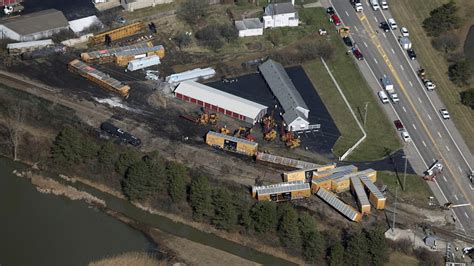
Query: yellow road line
{"x": 402, "y": 87}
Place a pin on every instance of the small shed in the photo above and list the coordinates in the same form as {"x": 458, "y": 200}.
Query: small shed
{"x": 249, "y": 27}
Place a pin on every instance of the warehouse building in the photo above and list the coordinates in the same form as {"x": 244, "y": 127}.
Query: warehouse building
{"x": 249, "y": 27}
{"x": 219, "y": 101}
{"x": 34, "y": 26}
{"x": 296, "y": 111}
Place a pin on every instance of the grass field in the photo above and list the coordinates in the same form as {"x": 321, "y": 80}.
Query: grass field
{"x": 400, "y": 259}
{"x": 411, "y": 13}
{"x": 380, "y": 134}
{"x": 417, "y": 191}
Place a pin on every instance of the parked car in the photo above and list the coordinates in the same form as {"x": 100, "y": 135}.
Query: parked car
{"x": 399, "y": 125}
{"x": 383, "y": 97}
{"x": 357, "y": 54}
{"x": 404, "y": 32}
{"x": 384, "y": 4}
{"x": 330, "y": 11}
{"x": 394, "y": 97}
{"x": 392, "y": 23}
{"x": 405, "y": 136}
{"x": 347, "y": 40}
{"x": 429, "y": 84}
{"x": 384, "y": 26}
{"x": 335, "y": 19}
{"x": 411, "y": 54}
{"x": 444, "y": 113}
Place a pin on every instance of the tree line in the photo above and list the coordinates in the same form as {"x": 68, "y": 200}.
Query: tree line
{"x": 149, "y": 177}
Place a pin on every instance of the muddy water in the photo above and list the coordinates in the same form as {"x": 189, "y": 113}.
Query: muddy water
{"x": 39, "y": 229}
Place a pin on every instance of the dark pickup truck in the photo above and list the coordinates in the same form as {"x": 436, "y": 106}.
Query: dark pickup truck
{"x": 119, "y": 133}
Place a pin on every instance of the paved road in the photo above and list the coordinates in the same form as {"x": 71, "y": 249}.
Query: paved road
{"x": 432, "y": 137}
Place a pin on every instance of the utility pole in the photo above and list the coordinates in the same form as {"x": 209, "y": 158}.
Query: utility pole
{"x": 395, "y": 210}
{"x": 405, "y": 172}
{"x": 365, "y": 114}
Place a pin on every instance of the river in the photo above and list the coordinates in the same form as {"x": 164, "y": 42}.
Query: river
{"x": 40, "y": 229}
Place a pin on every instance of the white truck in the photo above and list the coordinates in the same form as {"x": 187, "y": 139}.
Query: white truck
{"x": 143, "y": 63}
{"x": 375, "y": 4}
{"x": 357, "y": 5}
{"x": 405, "y": 43}
{"x": 388, "y": 87}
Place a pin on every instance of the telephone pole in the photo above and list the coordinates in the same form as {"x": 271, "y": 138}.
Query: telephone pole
{"x": 394, "y": 210}
{"x": 365, "y": 113}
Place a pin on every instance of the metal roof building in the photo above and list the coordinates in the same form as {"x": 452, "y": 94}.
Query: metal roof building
{"x": 193, "y": 75}
{"x": 339, "y": 205}
{"x": 220, "y": 101}
{"x": 34, "y": 26}
{"x": 296, "y": 111}
{"x": 249, "y": 27}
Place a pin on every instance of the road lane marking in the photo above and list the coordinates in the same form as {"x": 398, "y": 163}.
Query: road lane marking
{"x": 456, "y": 197}
{"x": 465, "y": 214}
{"x": 460, "y": 169}
{"x": 411, "y": 84}
{"x": 347, "y": 13}
{"x": 384, "y": 34}
{"x": 424, "y": 144}
{"x": 414, "y": 126}
{"x": 445, "y": 180}
{"x": 439, "y": 134}
{"x": 366, "y": 44}
{"x": 393, "y": 51}
{"x": 461, "y": 205}
{"x": 405, "y": 110}
{"x": 447, "y": 147}
{"x": 429, "y": 117}
{"x": 402, "y": 68}
{"x": 376, "y": 61}
{"x": 376, "y": 20}
{"x": 355, "y": 27}
{"x": 419, "y": 99}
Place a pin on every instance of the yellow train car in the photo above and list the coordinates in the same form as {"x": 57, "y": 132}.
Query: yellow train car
{"x": 233, "y": 144}
{"x": 346, "y": 210}
{"x": 305, "y": 175}
{"x": 282, "y": 192}
{"x": 118, "y": 33}
{"x": 359, "y": 191}
{"x": 375, "y": 196}
{"x": 343, "y": 184}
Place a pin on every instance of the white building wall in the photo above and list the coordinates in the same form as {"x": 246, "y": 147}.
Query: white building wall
{"x": 131, "y": 6}
{"x": 6, "y": 33}
{"x": 280, "y": 20}
{"x": 298, "y": 124}
{"x": 250, "y": 32}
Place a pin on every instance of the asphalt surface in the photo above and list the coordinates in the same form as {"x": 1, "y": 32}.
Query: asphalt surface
{"x": 253, "y": 87}
{"x": 432, "y": 137}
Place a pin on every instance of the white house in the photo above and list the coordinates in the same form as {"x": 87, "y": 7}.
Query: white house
{"x": 280, "y": 15}
{"x": 249, "y": 27}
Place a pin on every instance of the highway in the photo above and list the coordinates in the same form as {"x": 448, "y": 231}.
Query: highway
{"x": 433, "y": 138}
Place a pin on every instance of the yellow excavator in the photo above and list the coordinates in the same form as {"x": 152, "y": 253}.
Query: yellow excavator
{"x": 269, "y": 132}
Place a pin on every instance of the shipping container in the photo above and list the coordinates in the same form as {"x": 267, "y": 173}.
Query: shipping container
{"x": 359, "y": 192}
{"x": 305, "y": 175}
{"x": 282, "y": 191}
{"x": 143, "y": 63}
{"x": 233, "y": 144}
{"x": 285, "y": 161}
{"x": 118, "y": 33}
{"x": 375, "y": 196}
{"x": 331, "y": 199}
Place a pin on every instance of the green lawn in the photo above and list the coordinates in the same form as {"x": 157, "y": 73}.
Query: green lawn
{"x": 417, "y": 189}
{"x": 380, "y": 134}
{"x": 411, "y": 13}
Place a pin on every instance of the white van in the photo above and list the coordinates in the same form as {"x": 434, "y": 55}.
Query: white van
{"x": 392, "y": 23}
{"x": 375, "y": 4}
{"x": 384, "y": 4}
{"x": 383, "y": 97}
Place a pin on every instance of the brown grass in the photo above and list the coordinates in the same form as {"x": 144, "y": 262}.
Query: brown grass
{"x": 129, "y": 258}
{"x": 411, "y": 13}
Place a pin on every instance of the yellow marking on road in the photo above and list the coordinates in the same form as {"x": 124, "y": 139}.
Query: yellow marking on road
{"x": 367, "y": 26}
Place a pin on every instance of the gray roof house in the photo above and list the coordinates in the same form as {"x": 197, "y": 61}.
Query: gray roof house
{"x": 280, "y": 15}
{"x": 34, "y": 26}
{"x": 296, "y": 111}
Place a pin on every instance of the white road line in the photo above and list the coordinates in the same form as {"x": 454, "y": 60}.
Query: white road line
{"x": 355, "y": 27}
{"x": 384, "y": 34}
{"x": 411, "y": 84}
{"x": 375, "y": 60}
{"x": 461, "y": 205}
{"x": 445, "y": 180}
{"x": 447, "y": 148}
{"x": 405, "y": 110}
{"x": 347, "y": 13}
{"x": 424, "y": 144}
{"x": 376, "y": 20}
{"x": 439, "y": 134}
{"x": 460, "y": 169}
{"x": 393, "y": 51}
{"x": 456, "y": 197}
{"x": 429, "y": 117}
{"x": 402, "y": 68}
{"x": 366, "y": 44}
{"x": 414, "y": 126}
{"x": 419, "y": 99}
{"x": 465, "y": 214}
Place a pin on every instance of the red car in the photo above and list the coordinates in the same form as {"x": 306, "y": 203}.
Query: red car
{"x": 335, "y": 19}
{"x": 357, "y": 54}
{"x": 398, "y": 125}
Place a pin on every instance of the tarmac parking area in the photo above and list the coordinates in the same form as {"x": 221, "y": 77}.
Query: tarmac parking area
{"x": 253, "y": 87}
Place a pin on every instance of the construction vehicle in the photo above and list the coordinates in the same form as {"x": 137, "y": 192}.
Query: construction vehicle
{"x": 344, "y": 31}
{"x": 244, "y": 133}
{"x": 269, "y": 132}
{"x": 421, "y": 73}
{"x": 203, "y": 118}
{"x": 11, "y": 6}
{"x": 447, "y": 206}
{"x": 433, "y": 171}
{"x": 289, "y": 138}
{"x": 224, "y": 130}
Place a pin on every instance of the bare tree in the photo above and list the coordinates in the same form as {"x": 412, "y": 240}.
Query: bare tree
{"x": 14, "y": 121}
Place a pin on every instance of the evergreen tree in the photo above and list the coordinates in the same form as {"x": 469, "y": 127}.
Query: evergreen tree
{"x": 288, "y": 230}
{"x": 200, "y": 198}
{"x": 136, "y": 185}
{"x": 67, "y": 147}
{"x": 357, "y": 249}
{"x": 177, "y": 176}
{"x": 264, "y": 216}
{"x": 377, "y": 246}
{"x": 157, "y": 178}
{"x": 442, "y": 19}
{"x": 225, "y": 215}
{"x": 243, "y": 206}
{"x": 312, "y": 241}
{"x": 336, "y": 255}
{"x": 126, "y": 159}
{"x": 107, "y": 156}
